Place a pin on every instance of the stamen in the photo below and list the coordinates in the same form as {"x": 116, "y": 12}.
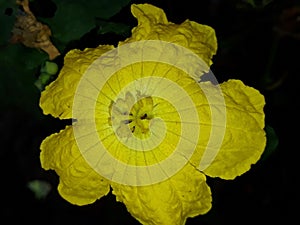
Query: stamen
{"x": 144, "y": 116}
{"x": 127, "y": 121}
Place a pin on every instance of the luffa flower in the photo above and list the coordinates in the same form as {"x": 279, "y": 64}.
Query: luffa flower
{"x": 145, "y": 126}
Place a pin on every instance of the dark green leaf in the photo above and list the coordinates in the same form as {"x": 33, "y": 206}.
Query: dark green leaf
{"x": 73, "y": 19}
{"x": 8, "y": 9}
{"x": 272, "y": 142}
{"x": 19, "y": 67}
{"x": 112, "y": 27}
{"x": 17, "y": 55}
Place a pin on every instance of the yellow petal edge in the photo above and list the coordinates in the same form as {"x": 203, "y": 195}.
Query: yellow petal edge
{"x": 79, "y": 183}
{"x": 184, "y": 195}
{"x": 153, "y": 25}
{"x": 57, "y": 98}
{"x": 245, "y": 138}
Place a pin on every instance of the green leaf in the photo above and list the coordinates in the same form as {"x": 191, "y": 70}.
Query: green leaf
{"x": 17, "y": 90}
{"x": 112, "y": 27}
{"x": 73, "y": 19}
{"x": 7, "y": 21}
{"x": 272, "y": 142}
{"x": 19, "y": 67}
{"x": 18, "y": 55}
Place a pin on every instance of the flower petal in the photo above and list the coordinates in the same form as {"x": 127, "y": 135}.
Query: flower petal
{"x": 57, "y": 98}
{"x": 184, "y": 195}
{"x": 245, "y": 138}
{"x": 153, "y": 25}
{"x": 147, "y": 14}
{"x": 79, "y": 183}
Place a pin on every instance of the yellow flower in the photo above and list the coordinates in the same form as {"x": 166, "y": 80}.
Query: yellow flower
{"x": 145, "y": 126}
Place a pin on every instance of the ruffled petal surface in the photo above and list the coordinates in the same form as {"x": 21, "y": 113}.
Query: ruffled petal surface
{"x": 245, "y": 138}
{"x": 79, "y": 183}
{"x": 57, "y": 98}
{"x": 184, "y": 195}
{"x": 153, "y": 25}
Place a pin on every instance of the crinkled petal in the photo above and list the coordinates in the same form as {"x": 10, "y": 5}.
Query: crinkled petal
{"x": 245, "y": 138}
{"x": 57, "y": 98}
{"x": 148, "y": 14}
{"x": 79, "y": 183}
{"x": 184, "y": 195}
{"x": 153, "y": 25}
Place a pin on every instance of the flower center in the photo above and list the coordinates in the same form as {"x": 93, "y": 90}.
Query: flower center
{"x": 132, "y": 117}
